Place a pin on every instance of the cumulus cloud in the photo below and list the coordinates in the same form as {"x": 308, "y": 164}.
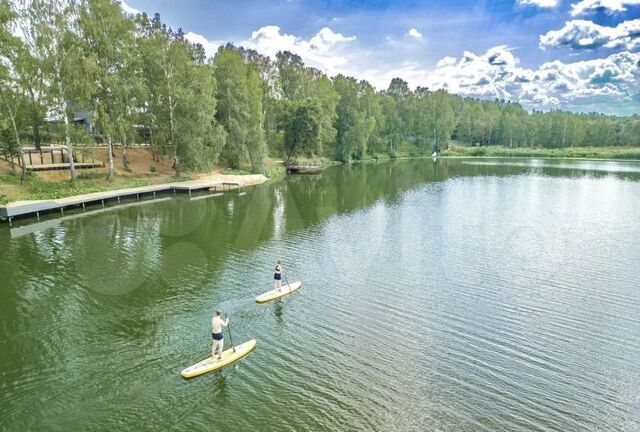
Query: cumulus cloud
{"x": 539, "y": 3}
{"x": 414, "y": 33}
{"x": 446, "y": 61}
{"x": 608, "y": 6}
{"x": 584, "y": 85}
{"x": 210, "y": 47}
{"x": 608, "y": 84}
{"x": 583, "y": 34}
{"x": 326, "y": 50}
{"x": 129, "y": 10}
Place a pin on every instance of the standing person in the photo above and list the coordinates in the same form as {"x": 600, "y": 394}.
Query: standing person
{"x": 277, "y": 276}
{"x": 217, "y": 324}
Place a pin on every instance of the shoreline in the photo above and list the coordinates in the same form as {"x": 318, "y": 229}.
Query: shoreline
{"x": 594, "y": 159}
{"x": 30, "y": 208}
{"x": 255, "y": 179}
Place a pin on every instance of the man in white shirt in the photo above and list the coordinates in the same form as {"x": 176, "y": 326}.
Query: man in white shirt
{"x": 217, "y": 324}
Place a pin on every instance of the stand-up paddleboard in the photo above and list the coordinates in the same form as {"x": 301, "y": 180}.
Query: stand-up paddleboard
{"x": 274, "y": 293}
{"x": 211, "y": 364}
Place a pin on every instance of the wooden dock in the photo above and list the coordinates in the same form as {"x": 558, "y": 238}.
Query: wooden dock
{"x": 64, "y": 166}
{"x": 34, "y": 208}
{"x": 51, "y": 158}
{"x": 303, "y": 168}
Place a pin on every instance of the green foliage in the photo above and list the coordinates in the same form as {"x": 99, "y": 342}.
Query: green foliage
{"x": 4, "y": 199}
{"x": 276, "y": 172}
{"x": 570, "y": 152}
{"x": 139, "y": 81}
{"x": 38, "y": 189}
{"x": 153, "y": 169}
{"x": 302, "y": 127}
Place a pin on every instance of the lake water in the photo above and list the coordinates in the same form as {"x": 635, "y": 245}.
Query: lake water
{"x": 475, "y": 295}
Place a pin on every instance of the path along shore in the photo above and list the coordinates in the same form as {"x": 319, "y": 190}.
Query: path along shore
{"x": 212, "y": 182}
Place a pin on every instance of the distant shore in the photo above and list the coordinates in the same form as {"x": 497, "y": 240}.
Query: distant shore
{"x": 614, "y": 153}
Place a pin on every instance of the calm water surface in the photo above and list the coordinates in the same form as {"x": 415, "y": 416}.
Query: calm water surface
{"x": 475, "y": 295}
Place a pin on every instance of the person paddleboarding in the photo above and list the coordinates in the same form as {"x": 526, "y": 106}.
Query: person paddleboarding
{"x": 277, "y": 276}
{"x": 217, "y": 324}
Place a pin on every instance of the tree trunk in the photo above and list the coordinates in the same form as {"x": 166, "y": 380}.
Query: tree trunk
{"x": 125, "y": 161}
{"x": 23, "y": 168}
{"x": 110, "y": 175}
{"x": 37, "y": 140}
{"x": 490, "y": 130}
{"x": 35, "y": 122}
{"x": 176, "y": 163}
{"x": 67, "y": 143}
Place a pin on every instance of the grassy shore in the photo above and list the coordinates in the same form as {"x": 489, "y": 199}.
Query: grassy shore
{"x": 568, "y": 152}
{"x": 141, "y": 171}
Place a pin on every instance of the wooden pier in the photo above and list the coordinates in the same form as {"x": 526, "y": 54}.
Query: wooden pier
{"x": 64, "y": 166}
{"x": 307, "y": 168}
{"x": 51, "y": 158}
{"x": 34, "y": 208}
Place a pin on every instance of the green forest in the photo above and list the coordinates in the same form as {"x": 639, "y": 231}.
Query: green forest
{"x": 142, "y": 82}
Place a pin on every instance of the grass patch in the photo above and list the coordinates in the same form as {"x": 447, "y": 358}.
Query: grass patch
{"x": 276, "y": 172}
{"x": 569, "y": 152}
{"x": 38, "y": 189}
{"x": 236, "y": 171}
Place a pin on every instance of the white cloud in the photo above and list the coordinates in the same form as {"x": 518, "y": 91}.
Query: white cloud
{"x": 539, "y": 3}
{"x": 585, "y": 85}
{"x": 608, "y": 6}
{"x": 607, "y": 84}
{"x": 128, "y": 9}
{"x": 414, "y": 33}
{"x": 446, "y": 61}
{"x": 210, "y": 47}
{"x": 583, "y": 34}
{"x": 325, "y": 50}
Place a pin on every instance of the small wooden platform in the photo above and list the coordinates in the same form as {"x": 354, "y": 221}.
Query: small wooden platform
{"x": 229, "y": 185}
{"x": 64, "y": 166}
{"x": 303, "y": 168}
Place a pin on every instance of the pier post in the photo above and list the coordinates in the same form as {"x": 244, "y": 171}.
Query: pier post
{"x": 84, "y": 209}
{"x": 118, "y": 199}
{"x": 102, "y": 203}
{"x": 38, "y": 216}
{"x": 62, "y": 210}
{"x": 10, "y": 220}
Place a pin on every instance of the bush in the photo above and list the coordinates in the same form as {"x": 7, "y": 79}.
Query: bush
{"x": 276, "y": 172}
{"x": 153, "y": 169}
{"x": 4, "y": 199}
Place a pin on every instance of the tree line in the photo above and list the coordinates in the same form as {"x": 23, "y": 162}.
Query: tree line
{"x": 141, "y": 81}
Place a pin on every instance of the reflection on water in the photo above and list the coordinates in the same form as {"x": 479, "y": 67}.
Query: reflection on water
{"x": 475, "y": 295}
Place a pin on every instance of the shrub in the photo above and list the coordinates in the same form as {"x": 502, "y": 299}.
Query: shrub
{"x": 153, "y": 169}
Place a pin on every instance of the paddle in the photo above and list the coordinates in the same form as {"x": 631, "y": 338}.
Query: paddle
{"x": 229, "y": 330}
{"x": 287, "y": 281}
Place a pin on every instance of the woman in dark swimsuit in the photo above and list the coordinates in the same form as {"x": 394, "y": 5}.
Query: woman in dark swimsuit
{"x": 277, "y": 276}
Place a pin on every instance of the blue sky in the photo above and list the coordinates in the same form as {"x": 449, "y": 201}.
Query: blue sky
{"x": 581, "y": 55}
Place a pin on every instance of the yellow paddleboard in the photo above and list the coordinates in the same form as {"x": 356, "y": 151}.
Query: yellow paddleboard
{"x": 228, "y": 356}
{"x": 274, "y": 293}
